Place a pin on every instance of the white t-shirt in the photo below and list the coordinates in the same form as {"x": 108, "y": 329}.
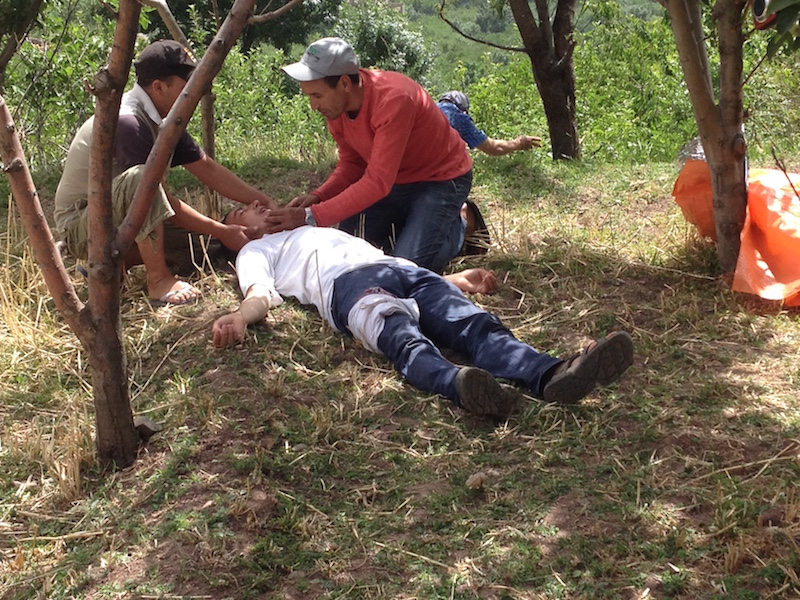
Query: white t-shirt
{"x": 304, "y": 263}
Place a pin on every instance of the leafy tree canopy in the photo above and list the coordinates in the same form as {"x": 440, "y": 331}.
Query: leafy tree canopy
{"x": 197, "y": 19}
{"x": 382, "y": 38}
{"x": 12, "y": 13}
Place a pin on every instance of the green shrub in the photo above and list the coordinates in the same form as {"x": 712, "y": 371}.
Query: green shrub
{"x": 382, "y": 38}
{"x": 45, "y": 87}
{"x": 632, "y": 104}
{"x": 259, "y": 111}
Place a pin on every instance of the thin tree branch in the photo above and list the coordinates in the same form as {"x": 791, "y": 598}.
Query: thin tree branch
{"x": 71, "y": 8}
{"x": 109, "y": 8}
{"x": 15, "y": 38}
{"x": 41, "y": 239}
{"x": 755, "y": 68}
{"x": 169, "y": 20}
{"x": 455, "y": 28}
{"x": 269, "y": 16}
{"x": 687, "y": 28}
{"x": 782, "y": 166}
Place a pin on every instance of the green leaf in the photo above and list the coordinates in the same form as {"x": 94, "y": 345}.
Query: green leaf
{"x": 787, "y": 18}
{"x": 779, "y": 5}
{"x": 775, "y": 43}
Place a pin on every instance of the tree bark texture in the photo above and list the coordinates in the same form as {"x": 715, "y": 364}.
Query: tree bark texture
{"x": 41, "y": 238}
{"x": 550, "y": 48}
{"x": 116, "y": 438}
{"x": 720, "y": 125}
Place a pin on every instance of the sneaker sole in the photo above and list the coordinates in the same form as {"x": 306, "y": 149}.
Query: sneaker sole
{"x": 481, "y": 394}
{"x": 603, "y": 364}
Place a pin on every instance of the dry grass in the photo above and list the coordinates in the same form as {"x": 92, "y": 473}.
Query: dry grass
{"x": 300, "y": 466}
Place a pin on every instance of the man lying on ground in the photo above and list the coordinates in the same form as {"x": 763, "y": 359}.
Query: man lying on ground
{"x": 405, "y": 312}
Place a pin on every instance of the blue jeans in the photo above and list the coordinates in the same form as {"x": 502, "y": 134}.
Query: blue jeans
{"x": 447, "y": 319}
{"x": 418, "y": 221}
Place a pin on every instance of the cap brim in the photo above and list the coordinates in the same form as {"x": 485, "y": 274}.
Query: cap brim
{"x": 301, "y": 72}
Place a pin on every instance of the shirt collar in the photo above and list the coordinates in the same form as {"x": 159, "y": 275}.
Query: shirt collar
{"x": 137, "y": 96}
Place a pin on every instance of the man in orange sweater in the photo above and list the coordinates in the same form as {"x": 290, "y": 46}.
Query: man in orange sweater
{"x": 403, "y": 173}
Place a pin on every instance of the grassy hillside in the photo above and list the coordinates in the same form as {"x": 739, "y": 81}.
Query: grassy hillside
{"x": 298, "y": 465}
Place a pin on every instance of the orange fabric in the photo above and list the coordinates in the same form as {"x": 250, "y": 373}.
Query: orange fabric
{"x": 769, "y": 258}
{"x": 692, "y": 192}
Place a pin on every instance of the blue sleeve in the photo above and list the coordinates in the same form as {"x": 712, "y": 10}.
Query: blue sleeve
{"x": 463, "y": 124}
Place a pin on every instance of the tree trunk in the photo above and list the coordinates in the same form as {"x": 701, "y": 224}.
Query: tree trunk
{"x": 41, "y": 239}
{"x": 549, "y": 48}
{"x": 97, "y": 324}
{"x": 720, "y": 126}
{"x": 116, "y": 437}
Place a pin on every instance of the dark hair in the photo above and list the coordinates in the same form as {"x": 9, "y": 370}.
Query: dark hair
{"x": 333, "y": 80}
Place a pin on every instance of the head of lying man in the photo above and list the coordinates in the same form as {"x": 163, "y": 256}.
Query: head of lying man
{"x": 253, "y": 217}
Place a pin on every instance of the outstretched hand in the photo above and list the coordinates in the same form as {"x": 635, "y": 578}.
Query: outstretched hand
{"x": 474, "y": 281}
{"x": 526, "y": 142}
{"x": 228, "y": 330}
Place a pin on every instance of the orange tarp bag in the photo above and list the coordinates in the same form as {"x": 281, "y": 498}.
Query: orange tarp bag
{"x": 769, "y": 258}
{"x": 692, "y": 192}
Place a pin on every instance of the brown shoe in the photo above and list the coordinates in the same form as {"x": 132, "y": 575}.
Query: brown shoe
{"x": 476, "y": 237}
{"x": 481, "y": 394}
{"x": 603, "y": 361}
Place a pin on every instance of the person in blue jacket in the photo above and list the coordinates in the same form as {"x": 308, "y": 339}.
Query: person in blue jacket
{"x": 455, "y": 106}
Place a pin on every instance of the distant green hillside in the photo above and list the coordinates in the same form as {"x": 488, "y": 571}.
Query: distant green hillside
{"x": 475, "y": 18}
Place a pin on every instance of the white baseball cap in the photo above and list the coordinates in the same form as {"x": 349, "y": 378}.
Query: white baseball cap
{"x": 325, "y": 57}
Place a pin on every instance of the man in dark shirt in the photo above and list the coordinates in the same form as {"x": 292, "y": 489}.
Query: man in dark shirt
{"x": 162, "y": 70}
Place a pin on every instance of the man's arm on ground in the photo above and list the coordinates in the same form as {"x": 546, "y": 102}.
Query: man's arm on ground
{"x": 229, "y": 329}
{"x": 494, "y": 147}
{"x": 227, "y": 183}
